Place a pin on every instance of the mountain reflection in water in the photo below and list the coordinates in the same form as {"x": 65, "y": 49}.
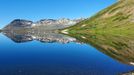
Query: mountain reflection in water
{"x": 119, "y": 48}
{"x": 46, "y": 36}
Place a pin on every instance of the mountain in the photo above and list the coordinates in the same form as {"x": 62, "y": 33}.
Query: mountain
{"x": 54, "y": 24}
{"x": 46, "y": 24}
{"x": 110, "y": 31}
{"x": 18, "y": 24}
{"x": 63, "y": 21}
{"x": 116, "y": 19}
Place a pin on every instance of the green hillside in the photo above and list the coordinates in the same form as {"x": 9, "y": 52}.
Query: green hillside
{"x": 116, "y": 19}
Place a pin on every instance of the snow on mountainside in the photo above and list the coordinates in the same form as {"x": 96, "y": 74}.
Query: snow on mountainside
{"x": 44, "y": 23}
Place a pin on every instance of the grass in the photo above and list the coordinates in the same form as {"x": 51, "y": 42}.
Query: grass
{"x": 110, "y": 31}
{"x": 114, "y": 45}
{"x": 114, "y": 20}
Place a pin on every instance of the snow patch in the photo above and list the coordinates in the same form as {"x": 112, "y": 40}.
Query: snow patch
{"x": 83, "y": 25}
{"x": 132, "y": 63}
{"x": 65, "y": 31}
{"x": 83, "y": 37}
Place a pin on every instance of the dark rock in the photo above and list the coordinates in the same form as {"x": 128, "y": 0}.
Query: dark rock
{"x": 0, "y": 30}
{"x": 21, "y": 23}
{"x": 18, "y": 23}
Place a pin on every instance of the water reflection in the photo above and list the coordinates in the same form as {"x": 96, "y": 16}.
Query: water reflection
{"x": 19, "y": 36}
{"x": 118, "y": 47}
{"x": 128, "y": 73}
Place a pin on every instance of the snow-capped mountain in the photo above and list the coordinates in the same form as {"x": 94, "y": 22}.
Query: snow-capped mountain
{"x": 47, "y": 24}
{"x": 63, "y": 21}
{"x": 53, "y": 24}
{"x": 18, "y": 23}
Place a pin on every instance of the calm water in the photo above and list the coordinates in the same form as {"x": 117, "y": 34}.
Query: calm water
{"x": 57, "y": 54}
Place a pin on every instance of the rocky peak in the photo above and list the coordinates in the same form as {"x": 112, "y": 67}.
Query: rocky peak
{"x": 62, "y": 21}
{"x": 46, "y": 23}
{"x": 21, "y": 23}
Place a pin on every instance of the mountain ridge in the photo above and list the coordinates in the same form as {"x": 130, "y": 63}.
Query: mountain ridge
{"x": 43, "y": 23}
{"x": 115, "y": 19}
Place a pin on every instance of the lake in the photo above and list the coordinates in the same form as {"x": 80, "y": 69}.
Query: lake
{"x": 43, "y": 53}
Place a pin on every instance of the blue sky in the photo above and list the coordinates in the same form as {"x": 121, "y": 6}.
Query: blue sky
{"x": 40, "y": 9}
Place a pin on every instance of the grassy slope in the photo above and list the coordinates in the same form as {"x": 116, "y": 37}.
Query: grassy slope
{"x": 116, "y": 19}
{"x": 110, "y": 31}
